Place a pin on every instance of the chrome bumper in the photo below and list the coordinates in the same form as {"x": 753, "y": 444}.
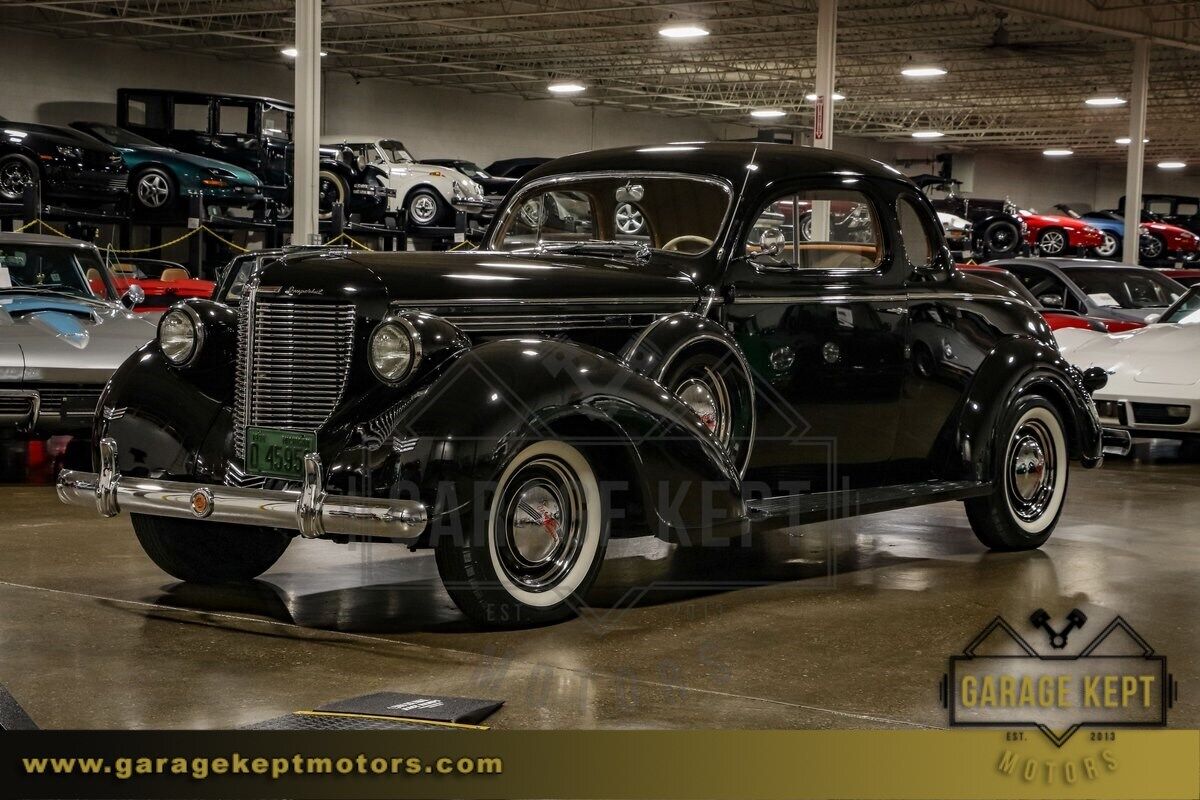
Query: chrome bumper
{"x": 311, "y": 512}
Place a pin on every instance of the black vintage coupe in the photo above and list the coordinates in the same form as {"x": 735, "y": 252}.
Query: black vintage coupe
{"x": 64, "y": 166}
{"x": 515, "y": 407}
{"x": 997, "y": 228}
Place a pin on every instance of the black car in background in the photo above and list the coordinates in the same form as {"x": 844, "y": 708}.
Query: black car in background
{"x": 492, "y": 184}
{"x": 254, "y": 133}
{"x": 1177, "y": 209}
{"x": 514, "y": 167}
{"x": 998, "y": 230}
{"x": 63, "y": 165}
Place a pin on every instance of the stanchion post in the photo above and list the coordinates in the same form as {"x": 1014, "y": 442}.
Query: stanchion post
{"x": 31, "y": 204}
{"x": 337, "y": 221}
{"x": 196, "y": 242}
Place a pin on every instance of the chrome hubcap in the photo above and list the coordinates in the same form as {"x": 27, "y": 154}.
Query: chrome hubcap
{"x": 542, "y": 519}
{"x": 629, "y": 219}
{"x": 13, "y": 179}
{"x": 152, "y": 190}
{"x": 708, "y": 397}
{"x": 806, "y": 228}
{"x": 1032, "y": 470}
{"x": 423, "y": 208}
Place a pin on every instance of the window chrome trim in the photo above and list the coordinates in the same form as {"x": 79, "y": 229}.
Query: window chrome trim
{"x": 504, "y": 219}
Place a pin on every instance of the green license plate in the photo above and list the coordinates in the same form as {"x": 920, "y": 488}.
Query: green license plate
{"x": 275, "y": 453}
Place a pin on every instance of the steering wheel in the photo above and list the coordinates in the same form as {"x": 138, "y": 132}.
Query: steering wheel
{"x": 673, "y": 245}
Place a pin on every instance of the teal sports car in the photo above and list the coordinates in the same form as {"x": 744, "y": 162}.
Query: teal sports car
{"x": 160, "y": 178}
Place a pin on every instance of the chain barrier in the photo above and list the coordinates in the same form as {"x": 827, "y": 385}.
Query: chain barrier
{"x": 108, "y": 248}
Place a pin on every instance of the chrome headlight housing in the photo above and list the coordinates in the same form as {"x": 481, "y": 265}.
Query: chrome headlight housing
{"x": 394, "y": 350}
{"x": 181, "y": 335}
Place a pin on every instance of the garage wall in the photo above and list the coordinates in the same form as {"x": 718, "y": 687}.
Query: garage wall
{"x": 52, "y": 80}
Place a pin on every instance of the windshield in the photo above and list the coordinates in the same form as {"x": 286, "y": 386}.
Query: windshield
{"x": 276, "y": 123}
{"x": 1126, "y": 288}
{"x": 75, "y": 271}
{"x": 1010, "y": 283}
{"x": 1186, "y": 311}
{"x": 673, "y": 213}
{"x": 395, "y": 151}
{"x": 119, "y": 137}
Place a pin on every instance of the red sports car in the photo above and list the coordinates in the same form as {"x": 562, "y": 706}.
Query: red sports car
{"x": 1188, "y": 277}
{"x": 1175, "y": 242}
{"x": 1055, "y": 318}
{"x": 1055, "y": 235}
{"x": 164, "y": 282}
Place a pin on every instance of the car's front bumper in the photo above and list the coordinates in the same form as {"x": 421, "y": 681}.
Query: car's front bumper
{"x": 49, "y": 409}
{"x": 310, "y": 512}
{"x": 1149, "y": 416}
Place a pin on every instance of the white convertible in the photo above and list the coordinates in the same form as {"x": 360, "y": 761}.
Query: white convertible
{"x": 1153, "y": 373}
{"x": 428, "y": 193}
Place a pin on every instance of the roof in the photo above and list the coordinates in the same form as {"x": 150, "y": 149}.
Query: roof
{"x": 354, "y": 138}
{"x": 726, "y": 160}
{"x": 1067, "y": 263}
{"x": 286, "y": 104}
{"x": 41, "y": 238}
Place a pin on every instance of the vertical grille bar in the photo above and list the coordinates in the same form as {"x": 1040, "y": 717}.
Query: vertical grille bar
{"x": 293, "y": 360}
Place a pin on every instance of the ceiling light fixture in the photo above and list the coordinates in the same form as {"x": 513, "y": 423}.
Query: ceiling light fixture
{"x": 922, "y": 71}
{"x": 566, "y": 87}
{"x": 927, "y": 134}
{"x": 292, "y": 52}
{"x": 1105, "y": 101}
{"x": 1171, "y": 165}
{"x": 682, "y": 32}
{"x": 1127, "y": 140}
{"x": 1058, "y": 152}
{"x": 812, "y": 96}
{"x": 768, "y": 113}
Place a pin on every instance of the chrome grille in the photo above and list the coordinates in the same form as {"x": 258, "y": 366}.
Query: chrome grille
{"x": 293, "y": 359}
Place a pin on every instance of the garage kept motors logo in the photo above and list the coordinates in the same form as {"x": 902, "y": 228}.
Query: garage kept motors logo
{"x": 1115, "y": 680}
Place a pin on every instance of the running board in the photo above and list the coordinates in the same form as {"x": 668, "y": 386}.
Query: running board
{"x": 822, "y": 506}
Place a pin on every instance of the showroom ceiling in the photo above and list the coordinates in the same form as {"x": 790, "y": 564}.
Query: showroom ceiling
{"x": 1017, "y": 73}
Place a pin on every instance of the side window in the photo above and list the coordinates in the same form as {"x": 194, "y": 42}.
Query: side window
{"x": 553, "y": 216}
{"x": 191, "y": 117}
{"x": 233, "y": 118}
{"x": 917, "y": 244}
{"x": 1159, "y": 206}
{"x": 1187, "y": 208}
{"x": 149, "y": 111}
{"x": 817, "y": 229}
{"x": 276, "y": 123}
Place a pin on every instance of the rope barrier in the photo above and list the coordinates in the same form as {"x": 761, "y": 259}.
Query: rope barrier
{"x": 464, "y": 243}
{"x": 136, "y": 250}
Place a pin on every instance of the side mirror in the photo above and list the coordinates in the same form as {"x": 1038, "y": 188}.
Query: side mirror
{"x": 771, "y": 241}
{"x": 134, "y": 296}
{"x": 1094, "y": 379}
{"x": 630, "y": 193}
{"x": 1153, "y": 318}
{"x": 1051, "y": 300}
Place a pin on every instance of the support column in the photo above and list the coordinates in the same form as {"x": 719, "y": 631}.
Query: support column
{"x": 823, "y": 106}
{"x": 1137, "y": 150}
{"x": 307, "y": 124}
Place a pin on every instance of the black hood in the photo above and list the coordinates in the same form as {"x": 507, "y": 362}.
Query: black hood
{"x": 55, "y": 134}
{"x": 482, "y": 279}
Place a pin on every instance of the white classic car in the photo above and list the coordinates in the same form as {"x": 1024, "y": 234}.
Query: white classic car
{"x": 427, "y": 192}
{"x": 958, "y": 234}
{"x": 1153, "y": 385}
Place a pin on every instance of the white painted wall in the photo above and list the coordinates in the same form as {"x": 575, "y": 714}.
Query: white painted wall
{"x": 52, "y": 80}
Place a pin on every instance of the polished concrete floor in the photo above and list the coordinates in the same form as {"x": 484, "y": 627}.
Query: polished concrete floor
{"x": 846, "y": 624}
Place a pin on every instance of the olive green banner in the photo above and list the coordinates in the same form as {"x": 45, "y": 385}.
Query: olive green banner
{"x": 600, "y": 764}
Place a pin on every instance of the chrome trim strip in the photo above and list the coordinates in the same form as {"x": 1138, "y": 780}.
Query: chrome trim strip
{"x": 858, "y": 298}
{"x": 358, "y": 516}
{"x": 402, "y": 305}
{"x": 35, "y": 406}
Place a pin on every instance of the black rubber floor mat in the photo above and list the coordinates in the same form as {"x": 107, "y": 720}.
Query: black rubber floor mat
{"x": 318, "y": 721}
{"x": 12, "y": 716}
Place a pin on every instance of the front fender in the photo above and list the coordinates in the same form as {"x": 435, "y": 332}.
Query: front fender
{"x": 494, "y": 399}
{"x": 1016, "y": 367}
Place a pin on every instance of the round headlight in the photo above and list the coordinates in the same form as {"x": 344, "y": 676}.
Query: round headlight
{"x": 395, "y": 349}
{"x": 180, "y": 335}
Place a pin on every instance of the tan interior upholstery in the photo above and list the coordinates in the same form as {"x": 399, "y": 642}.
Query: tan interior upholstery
{"x": 174, "y": 274}
{"x": 122, "y": 269}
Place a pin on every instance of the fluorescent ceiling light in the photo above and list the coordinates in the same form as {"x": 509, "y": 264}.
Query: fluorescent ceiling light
{"x": 768, "y": 113}
{"x": 1171, "y": 165}
{"x": 292, "y": 52}
{"x": 1111, "y": 100}
{"x": 1127, "y": 140}
{"x": 923, "y": 71}
{"x": 927, "y": 134}
{"x": 682, "y": 32}
{"x": 812, "y": 96}
{"x": 1058, "y": 151}
{"x": 566, "y": 87}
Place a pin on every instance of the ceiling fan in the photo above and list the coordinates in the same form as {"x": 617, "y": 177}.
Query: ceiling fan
{"x": 1002, "y": 44}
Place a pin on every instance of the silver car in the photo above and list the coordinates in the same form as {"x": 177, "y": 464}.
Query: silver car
{"x": 63, "y": 331}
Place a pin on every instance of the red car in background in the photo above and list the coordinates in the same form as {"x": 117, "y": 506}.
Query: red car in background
{"x": 1056, "y": 235}
{"x": 1055, "y": 318}
{"x": 165, "y": 283}
{"x": 1188, "y": 277}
